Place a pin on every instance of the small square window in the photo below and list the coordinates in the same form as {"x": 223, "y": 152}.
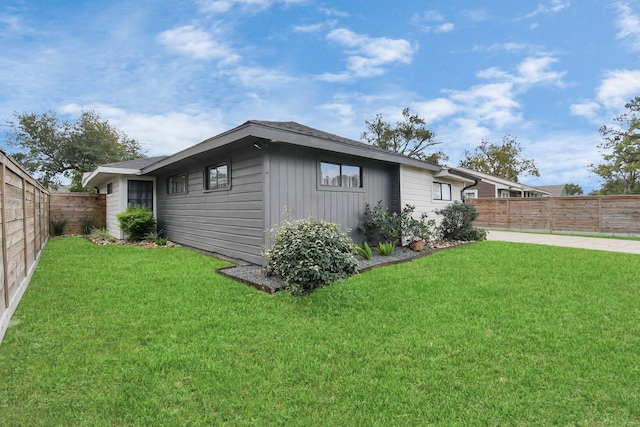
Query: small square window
{"x": 441, "y": 191}
{"x": 217, "y": 177}
{"x": 177, "y": 184}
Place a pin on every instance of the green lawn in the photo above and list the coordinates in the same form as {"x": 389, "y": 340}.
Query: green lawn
{"x": 492, "y": 333}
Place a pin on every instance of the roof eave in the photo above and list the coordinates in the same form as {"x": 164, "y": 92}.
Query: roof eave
{"x": 93, "y": 177}
{"x": 287, "y": 137}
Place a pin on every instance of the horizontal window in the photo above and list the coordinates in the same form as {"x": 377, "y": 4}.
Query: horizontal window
{"x": 441, "y": 191}
{"x": 339, "y": 175}
{"x": 177, "y": 184}
{"x": 218, "y": 177}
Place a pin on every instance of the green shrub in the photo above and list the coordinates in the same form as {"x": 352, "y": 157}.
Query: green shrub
{"x": 136, "y": 222}
{"x": 415, "y": 229}
{"x": 100, "y": 234}
{"x": 381, "y": 226}
{"x": 385, "y": 249}
{"x": 88, "y": 223}
{"x": 456, "y": 224}
{"x": 57, "y": 226}
{"x": 364, "y": 250}
{"x": 309, "y": 253}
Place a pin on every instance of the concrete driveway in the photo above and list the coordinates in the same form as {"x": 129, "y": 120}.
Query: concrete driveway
{"x": 612, "y": 245}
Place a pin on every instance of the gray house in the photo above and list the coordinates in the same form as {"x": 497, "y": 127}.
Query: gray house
{"x": 223, "y": 193}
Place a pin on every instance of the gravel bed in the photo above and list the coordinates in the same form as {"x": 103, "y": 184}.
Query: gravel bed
{"x": 253, "y": 275}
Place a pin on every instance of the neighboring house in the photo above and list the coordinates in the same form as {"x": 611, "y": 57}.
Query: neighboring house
{"x": 493, "y": 187}
{"x": 223, "y": 193}
{"x": 554, "y": 190}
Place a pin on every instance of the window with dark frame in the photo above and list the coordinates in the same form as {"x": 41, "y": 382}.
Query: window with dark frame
{"x": 217, "y": 177}
{"x": 441, "y": 191}
{"x": 110, "y": 188}
{"x": 140, "y": 193}
{"x": 177, "y": 184}
{"x": 340, "y": 175}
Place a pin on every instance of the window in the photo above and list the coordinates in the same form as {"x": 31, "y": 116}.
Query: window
{"x": 218, "y": 177}
{"x": 471, "y": 194}
{"x": 140, "y": 193}
{"x": 441, "y": 191}
{"x": 110, "y": 188}
{"x": 505, "y": 193}
{"x": 177, "y": 184}
{"x": 338, "y": 175}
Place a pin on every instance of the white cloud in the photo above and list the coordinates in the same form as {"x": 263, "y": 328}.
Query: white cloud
{"x": 551, "y": 8}
{"x": 159, "y": 134}
{"x": 588, "y": 109}
{"x": 248, "y": 6}
{"x": 629, "y": 25}
{"x": 368, "y": 56}
{"x": 314, "y": 28}
{"x": 476, "y": 15}
{"x": 436, "y": 109}
{"x": 258, "y": 77}
{"x": 431, "y": 21}
{"x": 334, "y": 12}
{"x": 444, "y": 28}
{"x": 343, "y": 112}
{"x": 197, "y": 43}
{"x": 615, "y": 90}
{"x": 618, "y": 88}
{"x": 531, "y": 71}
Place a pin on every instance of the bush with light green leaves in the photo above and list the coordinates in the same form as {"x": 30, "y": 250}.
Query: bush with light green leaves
{"x": 309, "y": 253}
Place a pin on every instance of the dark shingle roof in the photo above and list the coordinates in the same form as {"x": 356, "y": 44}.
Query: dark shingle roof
{"x": 135, "y": 164}
{"x": 316, "y": 133}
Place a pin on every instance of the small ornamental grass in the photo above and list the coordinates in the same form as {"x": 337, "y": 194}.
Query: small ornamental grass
{"x": 309, "y": 253}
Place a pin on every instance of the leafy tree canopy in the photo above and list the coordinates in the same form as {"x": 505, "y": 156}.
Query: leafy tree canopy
{"x": 51, "y": 149}
{"x": 621, "y": 153}
{"x": 410, "y": 137}
{"x": 505, "y": 160}
{"x": 573, "y": 189}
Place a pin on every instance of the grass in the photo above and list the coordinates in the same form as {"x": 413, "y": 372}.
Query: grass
{"x": 560, "y": 233}
{"x": 492, "y": 333}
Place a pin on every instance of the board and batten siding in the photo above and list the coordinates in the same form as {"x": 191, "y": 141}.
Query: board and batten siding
{"x": 227, "y": 222}
{"x": 292, "y": 187}
{"x": 417, "y": 190}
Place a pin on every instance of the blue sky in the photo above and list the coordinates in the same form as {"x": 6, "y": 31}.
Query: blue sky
{"x": 171, "y": 74}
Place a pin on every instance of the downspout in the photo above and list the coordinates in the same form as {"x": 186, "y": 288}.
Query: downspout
{"x": 475, "y": 182}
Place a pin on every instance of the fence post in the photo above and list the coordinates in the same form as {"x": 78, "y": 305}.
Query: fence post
{"x": 25, "y": 232}
{"x": 5, "y": 258}
{"x": 599, "y": 214}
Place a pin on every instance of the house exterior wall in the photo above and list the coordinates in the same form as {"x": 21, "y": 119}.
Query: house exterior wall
{"x": 292, "y": 183}
{"x": 484, "y": 189}
{"x": 228, "y": 222}
{"x": 117, "y": 200}
{"x": 113, "y": 207}
{"x": 417, "y": 190}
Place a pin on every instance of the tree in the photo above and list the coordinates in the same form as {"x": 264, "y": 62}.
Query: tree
{"x": 573, "y": 189}
{"x": 621, "y": 153}
{"x": 505, "y": 161}
{"x": 51, "y": 148}
{"x": 409, "y": 137}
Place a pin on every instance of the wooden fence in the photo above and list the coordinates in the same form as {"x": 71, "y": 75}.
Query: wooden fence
{"x": 24, "y": 219}
{"x": 76, "y": 208}
{"x": 589, "y": 214}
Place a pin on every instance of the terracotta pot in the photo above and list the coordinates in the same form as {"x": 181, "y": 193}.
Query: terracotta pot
{"x": 417, "y": 246}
